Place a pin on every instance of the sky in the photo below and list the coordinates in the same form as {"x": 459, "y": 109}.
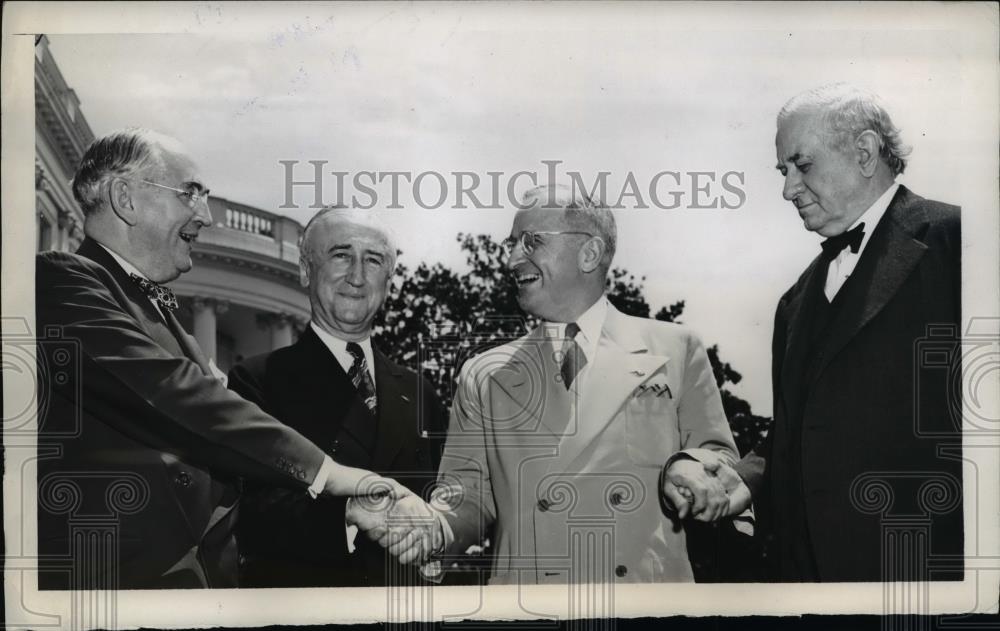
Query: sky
{"x": 638, "y": 89}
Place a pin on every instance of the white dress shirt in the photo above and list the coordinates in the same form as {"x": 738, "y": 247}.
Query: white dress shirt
{"x": 842, "y": 266}
{"x": 338, "y": 347}
{"x": 590, "y": 322}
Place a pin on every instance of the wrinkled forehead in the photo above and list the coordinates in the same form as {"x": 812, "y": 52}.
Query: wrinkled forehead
{"x": 179, "y": 169}
{"x": 333, "y": 231}
{"x": 799, "y": 133}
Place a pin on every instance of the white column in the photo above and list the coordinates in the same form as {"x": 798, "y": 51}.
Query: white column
{"x": 281, "y": 331}
{"x": 204, "y": 325}
{"x": 279, "y": 326}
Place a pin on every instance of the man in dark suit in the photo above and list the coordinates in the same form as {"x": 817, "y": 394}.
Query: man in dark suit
{"x": 140, "y": 445}
{"x": 860, "y": 478}
{"x": 340, "y": 391}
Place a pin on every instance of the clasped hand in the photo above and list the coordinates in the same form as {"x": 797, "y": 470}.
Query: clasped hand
{"x": 707, "y": 491}
{"x": 400, "y": 522}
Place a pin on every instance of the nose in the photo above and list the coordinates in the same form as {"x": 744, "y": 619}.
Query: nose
{"x": 356, "y": 274}
{"x": 202, "y": 214}
{"x": 793, "y": 185}
{"x": 516, "y": 255}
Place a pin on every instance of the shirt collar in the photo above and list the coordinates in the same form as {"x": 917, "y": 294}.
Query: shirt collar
{"x": 338, "y": 348}
{"x": 873, "y": 215}
{"x": 590, "y": 322}
{"x": 125, "y": 265}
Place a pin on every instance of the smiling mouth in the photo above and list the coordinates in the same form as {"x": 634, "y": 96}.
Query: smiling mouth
{"x": 189, "y": 237}
{"x": 523, "y": 280}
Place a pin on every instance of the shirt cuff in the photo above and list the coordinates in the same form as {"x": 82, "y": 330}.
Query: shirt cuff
{"x": 433, "y": 571}
{"x": 319, "y": 484}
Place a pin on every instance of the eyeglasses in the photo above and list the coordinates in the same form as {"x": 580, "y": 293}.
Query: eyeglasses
{"x": 193, "y": 197}
{"x": 529, "y": 240}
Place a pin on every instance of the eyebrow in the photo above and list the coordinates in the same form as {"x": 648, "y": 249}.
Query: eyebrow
{"x": 197, "y": 186}
{"x": 795, "y": 157}
{"x": 339, "y": 247}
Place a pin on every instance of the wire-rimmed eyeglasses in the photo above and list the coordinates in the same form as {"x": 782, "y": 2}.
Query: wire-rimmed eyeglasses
{"x": 191, "y": 195}
{"x": 528, "y": 239}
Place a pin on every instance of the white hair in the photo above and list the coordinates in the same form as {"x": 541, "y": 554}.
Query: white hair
{"x": 849, "y": 111}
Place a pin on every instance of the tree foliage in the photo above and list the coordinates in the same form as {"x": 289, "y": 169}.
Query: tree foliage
{"x": 435, "y": 318}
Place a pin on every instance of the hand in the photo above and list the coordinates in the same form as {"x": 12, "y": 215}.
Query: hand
{"x": 738, "y": 491}
{"x": 406, "y": 527}
{"x": 703, "y": 497}
{"x": 413, "y": 532}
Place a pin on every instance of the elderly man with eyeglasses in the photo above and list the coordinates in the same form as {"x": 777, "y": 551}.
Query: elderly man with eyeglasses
{"x": 558, "y": 438}
{"x": 140, "y": 443}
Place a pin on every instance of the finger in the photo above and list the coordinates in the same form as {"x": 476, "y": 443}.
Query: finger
{"x": 677, "y": 499}
{"x": 384, "y": 539}
{"x": 403, "y": 542}
{"x": 712, "y": 465}
{"x": 411, "y": 554}
{"x": 700, "y": 502}
{"x": 376, "y": 533}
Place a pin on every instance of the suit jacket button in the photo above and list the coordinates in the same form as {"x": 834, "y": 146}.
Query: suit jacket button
{"x": 621, "y": 571}
{"x": 544, "y": 504}
{"x": 184, "y": 479}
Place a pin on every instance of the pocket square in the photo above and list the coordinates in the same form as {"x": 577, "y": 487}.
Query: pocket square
{"x": 654, "y": 390}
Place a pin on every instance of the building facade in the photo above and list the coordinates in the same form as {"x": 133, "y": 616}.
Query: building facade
{"x": 243, "y": 296}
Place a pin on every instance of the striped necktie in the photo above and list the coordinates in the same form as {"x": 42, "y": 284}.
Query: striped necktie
{"x": 361, "y": 378}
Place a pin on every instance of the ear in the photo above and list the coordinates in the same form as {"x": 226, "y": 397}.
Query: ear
{"x": 591, "y": 254}
{"x": 868, "y": 146}
{"x": 120, "y": 201}
{"x": 303, "y": 270}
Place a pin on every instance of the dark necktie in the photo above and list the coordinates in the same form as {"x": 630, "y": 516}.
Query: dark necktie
{"x": 574, "y": 358}
{"x": 834, "y": 245}
{"x": 162, "y": 295}
{"x": 360, "y": 377}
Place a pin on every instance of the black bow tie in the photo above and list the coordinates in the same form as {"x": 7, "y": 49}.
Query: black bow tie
{"x": 159, "y": 293}
{"x": 834, "y": 245}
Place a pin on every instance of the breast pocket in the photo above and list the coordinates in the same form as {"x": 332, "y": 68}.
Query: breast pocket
{"x": 651, "y": 430}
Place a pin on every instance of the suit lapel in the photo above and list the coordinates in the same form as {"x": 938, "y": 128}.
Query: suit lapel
{"x": 801, "y": 309}
{"x": 622, "y": 363}
{"x": 324, "y": 394}
{"x": 519, "y": 386}
{"x": 889, "y": 258}
{"x": 134, "y": 300}
{"x": 396, "y": 401}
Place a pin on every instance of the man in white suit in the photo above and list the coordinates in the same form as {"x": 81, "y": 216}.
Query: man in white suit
{"x": 559, "y": 438}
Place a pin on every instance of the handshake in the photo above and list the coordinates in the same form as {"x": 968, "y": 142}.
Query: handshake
{"x": 401, "y": 522}
{"x": 707, "y": 491}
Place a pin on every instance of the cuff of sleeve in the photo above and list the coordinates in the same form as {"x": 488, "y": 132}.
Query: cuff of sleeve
{"x": 319, "y": 484}
{"x": 447, "y": 534}
{"x": 744, "y": 522}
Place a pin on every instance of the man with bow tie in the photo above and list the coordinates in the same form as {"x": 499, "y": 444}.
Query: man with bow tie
{"x": 340, "y": 391}
{"x": 864, "y": 427}
{"x": 557, "y": 439}
{"x": 141, "y": 445}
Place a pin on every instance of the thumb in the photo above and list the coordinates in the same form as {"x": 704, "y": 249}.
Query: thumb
{"x": 712, "y": 465}
{"x": 677, "y": 499}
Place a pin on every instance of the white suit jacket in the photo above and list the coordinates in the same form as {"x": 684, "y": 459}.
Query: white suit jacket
{"x": 573, "y": 485}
